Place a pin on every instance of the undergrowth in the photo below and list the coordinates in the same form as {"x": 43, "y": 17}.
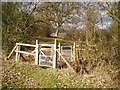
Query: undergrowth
{"x": 24, "y": 75}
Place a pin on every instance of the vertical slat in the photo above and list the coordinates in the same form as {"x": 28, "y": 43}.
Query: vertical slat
{"x": 71, "y": 52}
{"x": 55, "y": 54}
{"x": 40, "y": 55}
{"x": 74, "y": 49}
{"x": 17, "y": 53}
{"x": 37, "y": 53}
{"x": 59, "y": 51}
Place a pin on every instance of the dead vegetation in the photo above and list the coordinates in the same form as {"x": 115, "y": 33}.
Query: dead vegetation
{"x": 24, "y": 75}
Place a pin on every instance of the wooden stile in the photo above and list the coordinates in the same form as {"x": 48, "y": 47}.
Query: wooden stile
{"x": 40, "y": 52}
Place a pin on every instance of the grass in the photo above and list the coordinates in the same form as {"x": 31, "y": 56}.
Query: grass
{"x": 22, "y": 75}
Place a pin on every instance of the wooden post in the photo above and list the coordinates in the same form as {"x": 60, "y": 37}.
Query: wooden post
{"x": 17, "y": 53}
{"x": 37, "y": 53}
{"x": 74, "y": 51}
{"x": 59, "y": 51}
{"x": 71, "y": 53}
{"x": 55, "y": 54}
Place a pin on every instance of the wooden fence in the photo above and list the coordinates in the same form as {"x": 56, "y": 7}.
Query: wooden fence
{"x": 48, "y": 54}
{"x": 43, "y": 52}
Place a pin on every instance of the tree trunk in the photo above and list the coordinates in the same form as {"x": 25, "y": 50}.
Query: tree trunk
{"x": 56, "y": 33}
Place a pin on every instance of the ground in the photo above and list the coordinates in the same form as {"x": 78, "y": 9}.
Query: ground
{"x": 25, "y": 75}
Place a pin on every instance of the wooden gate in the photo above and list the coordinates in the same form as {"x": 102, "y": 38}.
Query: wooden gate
{"x": 67, "y": 52}
{"x": 46, "y": 55}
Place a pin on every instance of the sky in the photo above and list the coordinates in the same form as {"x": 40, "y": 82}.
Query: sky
{"x": 107, "y": 20}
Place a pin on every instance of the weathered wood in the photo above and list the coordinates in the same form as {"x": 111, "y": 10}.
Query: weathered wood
{"x": 71, "y": 53}
{"x": 66, "y": 49}
{"x": 55, "y": 54}
{"x": 46, "y": 44}
{"x": 17, "y": 53}
{"x": 46, "y": 66}
{"x": 37, "y": 53}
{"x": 40, "y": 55}
{"x": 65, "y": 61}
{"x": 24, "y": 52}
{"x": 12, "y": 51}
{"x": 74, "y": 51}
{"x": 59, "y": 51}
{"x": 30, "y": 45}
{"x": 46, "y": 48}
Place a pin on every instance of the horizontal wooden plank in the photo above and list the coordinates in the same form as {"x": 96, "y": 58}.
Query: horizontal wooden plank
{"x": 30, "y": 45}
{"x": 46, "y": 61}
{"x": 46, "y": 66}
{"x": 45, "y": 56}
{"x": 46, "y": 48}
{"x": 24, "y": 52}
{"x": 46, "y": 44}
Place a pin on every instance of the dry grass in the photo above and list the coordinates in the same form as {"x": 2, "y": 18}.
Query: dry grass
{"x": 24, "y": 75}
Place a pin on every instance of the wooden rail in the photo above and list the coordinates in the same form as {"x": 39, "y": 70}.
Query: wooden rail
{"x": 24, "y": 52}
{"x": 30, "y": 45}
{"x": 38, "y": 52}
{"x": 46, "y": 45}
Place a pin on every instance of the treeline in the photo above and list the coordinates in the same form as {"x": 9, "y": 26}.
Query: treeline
{"x": 21, "y": 21}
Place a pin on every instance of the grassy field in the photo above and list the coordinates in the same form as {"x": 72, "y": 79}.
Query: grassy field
{"x": 24, "y": 75}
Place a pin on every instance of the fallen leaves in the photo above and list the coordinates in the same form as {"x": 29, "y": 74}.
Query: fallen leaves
{"x": 31, "y": 76}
